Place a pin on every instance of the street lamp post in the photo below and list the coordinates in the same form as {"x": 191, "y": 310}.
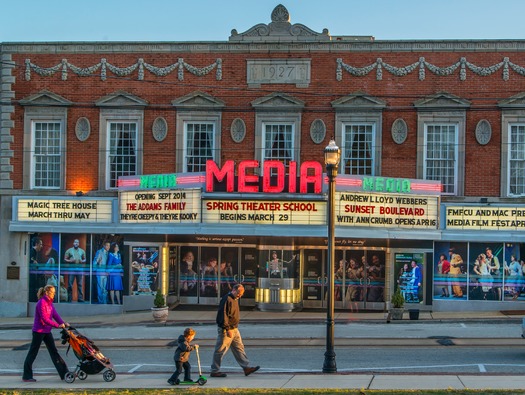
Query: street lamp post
{"x": 332, "y": 154}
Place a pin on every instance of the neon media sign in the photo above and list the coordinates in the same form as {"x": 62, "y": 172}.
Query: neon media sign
{"x": 273, "y": 180}
{"x": 158, "y": 181}
{"x": 310, "y": 180}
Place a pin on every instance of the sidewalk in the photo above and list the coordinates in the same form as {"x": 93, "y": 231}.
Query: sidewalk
{"x": 207, "y": 315}
{"x": 284, "y": 381}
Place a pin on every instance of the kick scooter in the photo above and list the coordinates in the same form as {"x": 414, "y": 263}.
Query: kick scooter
{"x": 201, "y": 380}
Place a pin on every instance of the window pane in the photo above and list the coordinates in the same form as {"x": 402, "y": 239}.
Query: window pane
{"x": 278, "y": 143}
{"x": 46, "y": 154}
{"x": 199, "y": 146}
{"x": 358, "y": 151}
{"x": 517, "y": 160}
{"x": 440, "y": 156}
{"x": 122, "y": 151}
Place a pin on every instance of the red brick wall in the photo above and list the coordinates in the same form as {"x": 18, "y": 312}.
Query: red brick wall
{"x": 398, "y": 92}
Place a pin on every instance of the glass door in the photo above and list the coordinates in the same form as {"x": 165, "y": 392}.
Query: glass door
{"x": 189, "y": 275}
{"x": 209, "y": 275}
{"x": 199, "y": 273}
{"x": 340, "y": 266}
{"x": 228, "y": 269}
{"x": 314, "y": 279}
{"x": 374, "y": 280}
{"x": 355, "y": 281}
{"x": 359, "y": 279}
{"x": 248, "y": 276}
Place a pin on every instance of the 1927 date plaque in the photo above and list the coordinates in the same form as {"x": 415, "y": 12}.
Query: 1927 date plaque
{"x": 278, "y": 71}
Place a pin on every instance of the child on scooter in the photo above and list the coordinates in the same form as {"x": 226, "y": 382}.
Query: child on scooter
{"x": 181, "y": 357}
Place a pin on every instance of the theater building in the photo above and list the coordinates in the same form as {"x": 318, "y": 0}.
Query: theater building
{"x": 187, "y": 167}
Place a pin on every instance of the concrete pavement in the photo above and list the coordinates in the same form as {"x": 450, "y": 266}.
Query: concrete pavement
{"x": 284, "y": 381}
{"x": 261, "y": 379}
{"x": 182, "y": 315}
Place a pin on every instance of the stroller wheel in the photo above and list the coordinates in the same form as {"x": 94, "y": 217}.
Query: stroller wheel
{"x": 109, "y": 375}
{"x": 69, "y": 377}
{"x": 82, "y": 375}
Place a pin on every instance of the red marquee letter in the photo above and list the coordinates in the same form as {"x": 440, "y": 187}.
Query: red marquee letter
{"x": 292, "y": 177}
{"x": 268, "y": 166}
{"x": 315, "y": 179}
{"x": 226, "y": 171}
{"x": 245, "y": 178}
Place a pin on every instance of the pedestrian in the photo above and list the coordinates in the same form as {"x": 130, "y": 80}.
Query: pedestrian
{"x": 46, "y": 318}
{"x": 182, "y": 356}
{"x": 228, "y": 317}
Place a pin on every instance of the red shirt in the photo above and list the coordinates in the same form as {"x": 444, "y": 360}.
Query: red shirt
{"x": 445, "y": 267}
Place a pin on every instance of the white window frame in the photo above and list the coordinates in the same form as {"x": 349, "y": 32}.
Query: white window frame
{"x": 112, "y": 150}
{"x": 270, "y": 118}
{"x": 108, "y": 116}
{"x": 508, "y": 123}
{"x": 427, "y": 160}
{"x": 32, "y": 116}
{"x": 456, "y": 118}
{"x": 372, "y": 118}
{"x": 265, "y": 137}
{"x": 187, "y": 148}
{"x": 344, "y": 151}
{"x": 185, "y": 118}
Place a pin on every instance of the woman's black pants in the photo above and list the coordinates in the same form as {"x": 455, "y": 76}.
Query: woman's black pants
{"x": 47, "y": 338}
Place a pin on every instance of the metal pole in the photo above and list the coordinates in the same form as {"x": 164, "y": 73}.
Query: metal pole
{"x": 329, "y": 365}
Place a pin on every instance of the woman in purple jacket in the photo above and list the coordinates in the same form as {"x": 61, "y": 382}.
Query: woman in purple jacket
{"x": 46, "y": 318}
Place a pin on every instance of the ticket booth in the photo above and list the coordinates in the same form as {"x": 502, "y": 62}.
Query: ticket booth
{"x": 278, "y": 282}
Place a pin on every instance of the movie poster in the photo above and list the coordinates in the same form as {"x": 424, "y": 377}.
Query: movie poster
{"x": 145, "y": 270}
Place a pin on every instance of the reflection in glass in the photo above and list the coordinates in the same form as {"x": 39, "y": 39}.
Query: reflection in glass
{"x": 188, "y": 276}
{"x": 209, "y": 269}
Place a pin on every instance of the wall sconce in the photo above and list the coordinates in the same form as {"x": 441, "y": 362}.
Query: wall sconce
{"x": 484, "y": 200}
{"x": 80, "y": 193}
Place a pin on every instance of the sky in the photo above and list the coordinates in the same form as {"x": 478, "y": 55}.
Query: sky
{"x": 213, "y": 20}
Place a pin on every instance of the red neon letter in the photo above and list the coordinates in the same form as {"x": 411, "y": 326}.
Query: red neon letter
{"x": 292, "y": 177}
{"x": 268, "y": 166}
{"x": 244, "y": 178}
{"x": 315, "y": 179}
{"x": 226, "y": 171}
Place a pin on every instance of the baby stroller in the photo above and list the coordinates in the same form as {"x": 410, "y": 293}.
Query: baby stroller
{"x": 91, "y": 360}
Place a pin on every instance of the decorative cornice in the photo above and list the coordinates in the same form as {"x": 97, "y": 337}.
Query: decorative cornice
{"x": 64, "y": 66}
{"x": 45, "y": 98}
{"x": 441, "y": 100}
{"x": 421, "y": 65}
{"x": 280, "y": 29}
{"x": 358, "y": 101}
{"x": 278, "y": 101}
{"x": 516, "y": 101}
{"x": 121, "y": 99}
{"x": 198, "y": 100}
{"x": 342, "y": 45}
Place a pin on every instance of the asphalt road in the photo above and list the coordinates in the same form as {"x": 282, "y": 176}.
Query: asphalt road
{"x": 391, "y": 359}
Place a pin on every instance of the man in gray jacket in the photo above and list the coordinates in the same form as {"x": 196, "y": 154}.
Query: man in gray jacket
{"x": 228, "y": 317}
